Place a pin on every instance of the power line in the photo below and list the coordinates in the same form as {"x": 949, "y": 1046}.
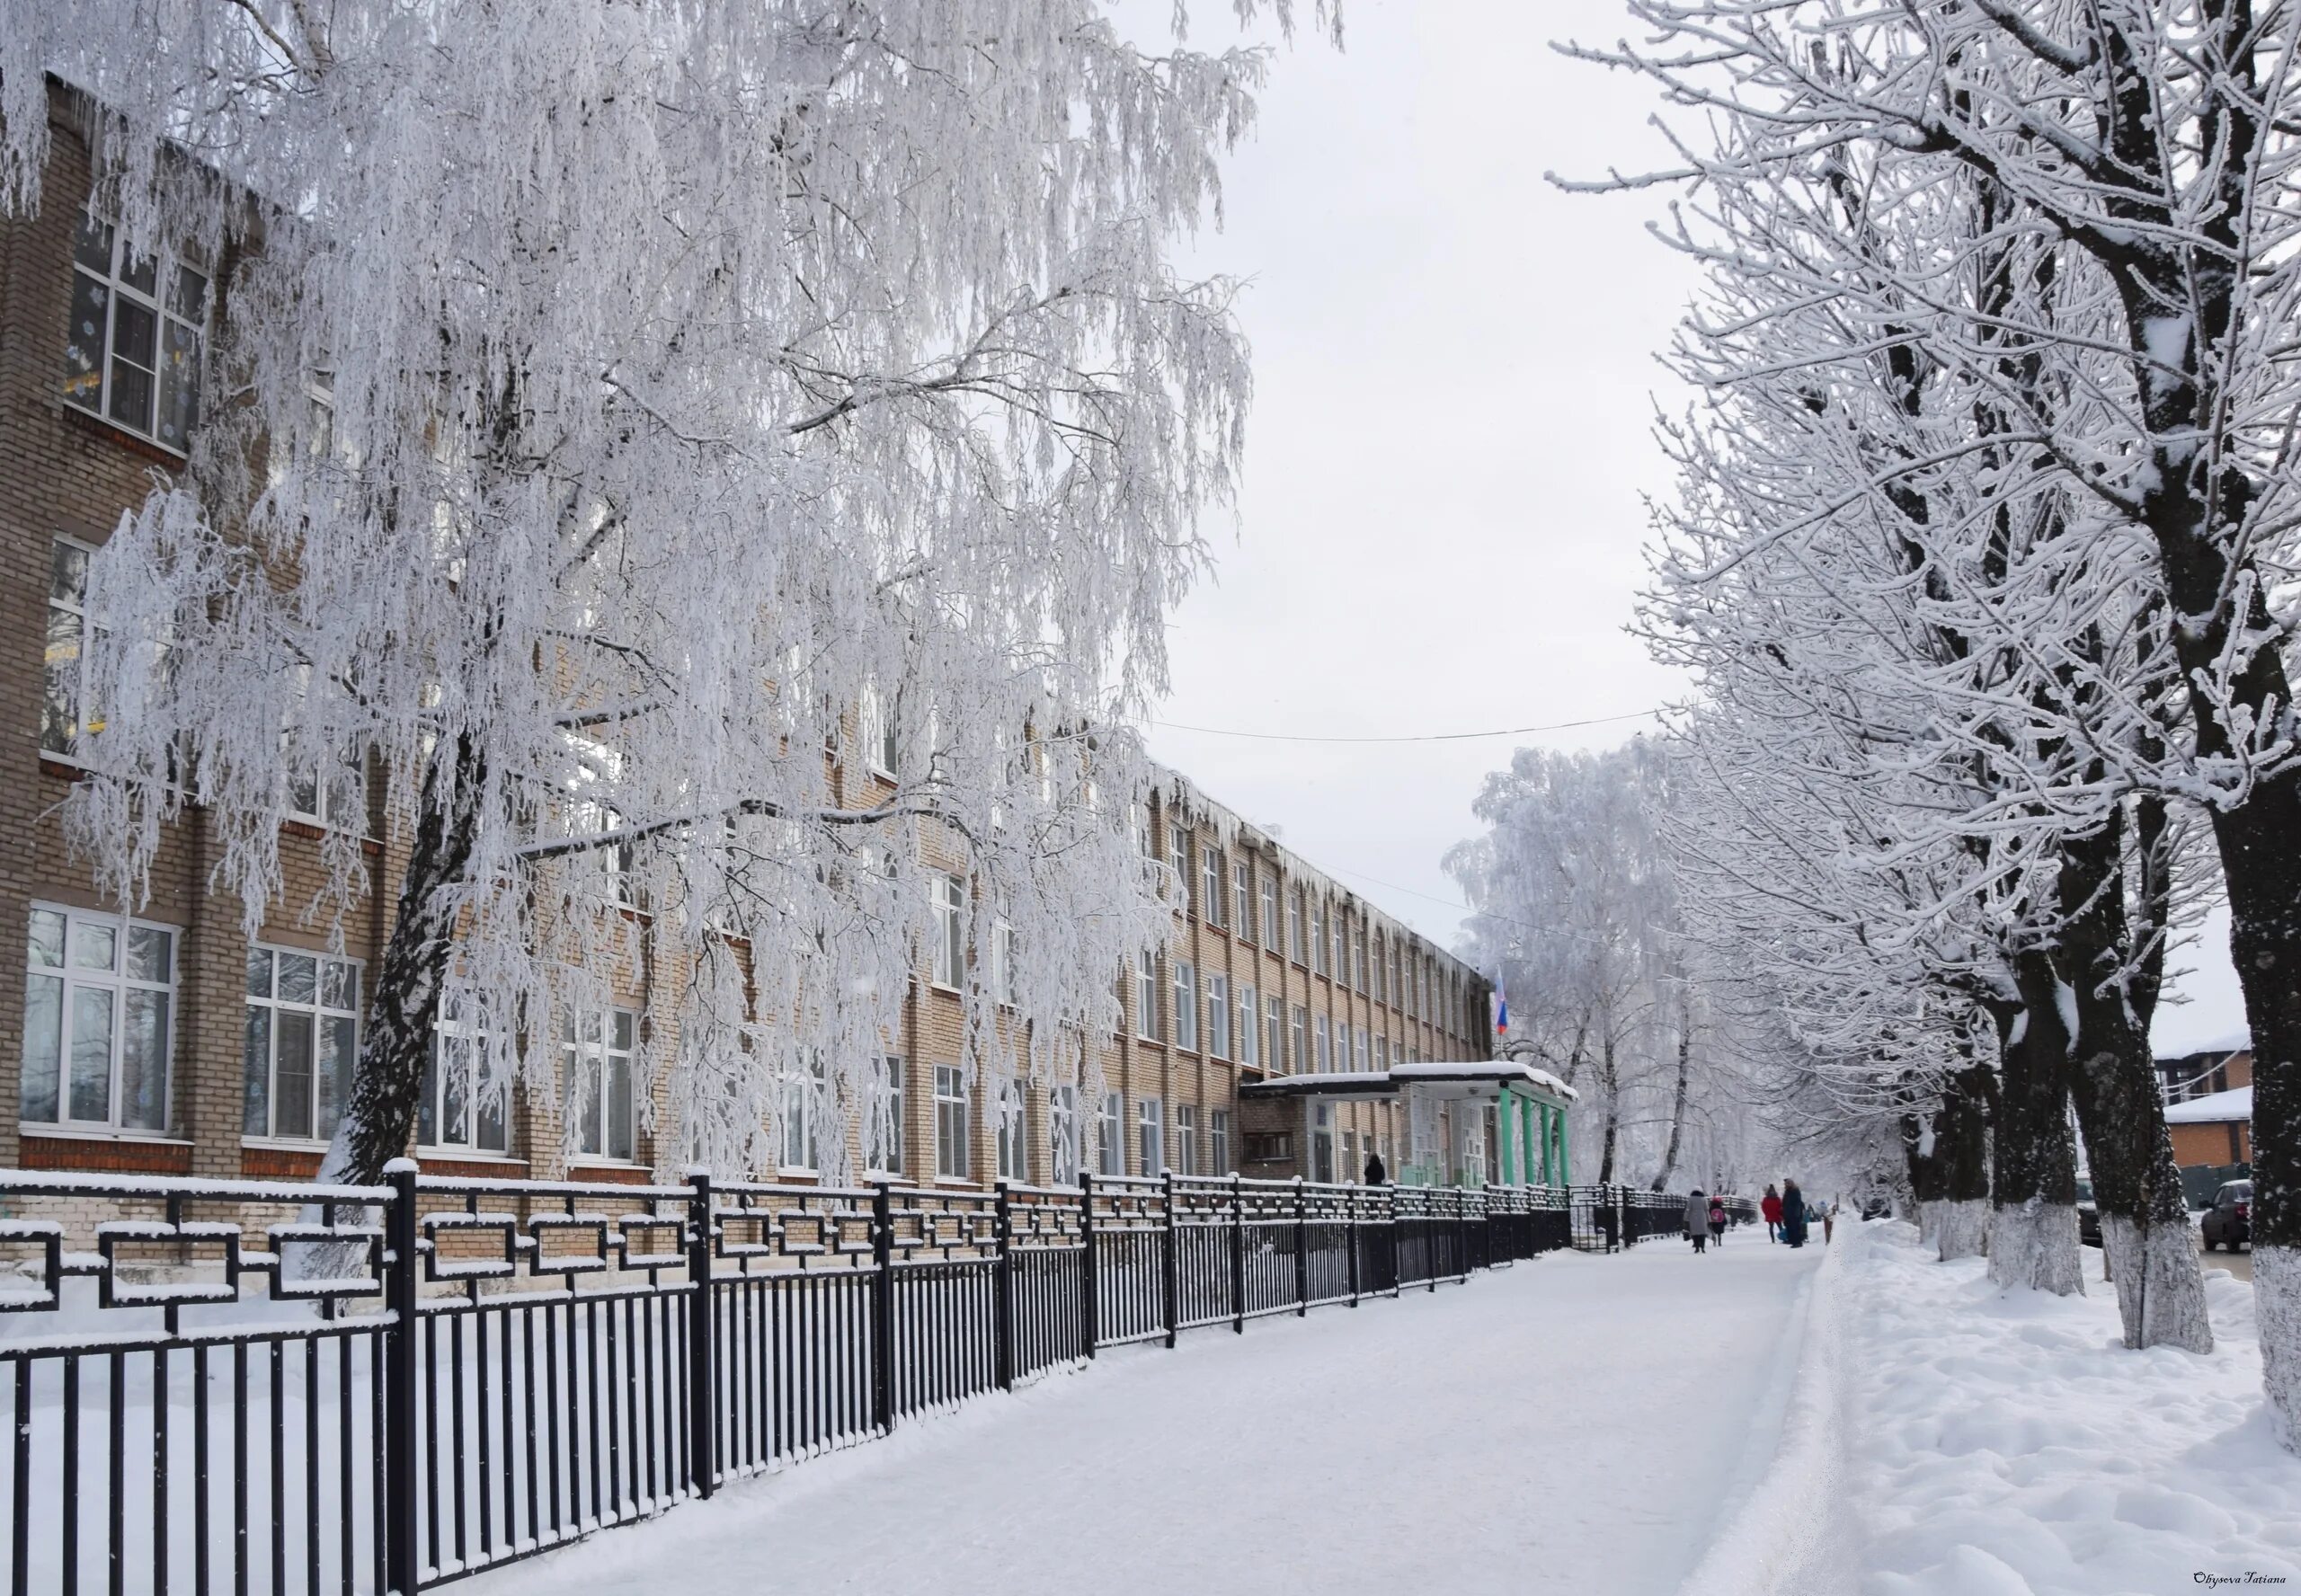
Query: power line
{"x": 1426, "y": 737}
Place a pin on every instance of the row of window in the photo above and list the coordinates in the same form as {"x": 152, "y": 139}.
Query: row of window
{"x": 1268, "y": 1037}
{"x": 1232, "y": 895}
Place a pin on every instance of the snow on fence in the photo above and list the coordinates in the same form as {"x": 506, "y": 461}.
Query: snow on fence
{"x": 437, "y": 1376}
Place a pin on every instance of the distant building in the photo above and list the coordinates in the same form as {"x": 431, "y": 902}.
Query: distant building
{"x": 2215, "y": 1129}
{"x": 2206, "y": 1071}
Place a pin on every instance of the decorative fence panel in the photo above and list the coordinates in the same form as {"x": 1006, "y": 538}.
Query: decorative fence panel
{"x": 273, "y": 1388}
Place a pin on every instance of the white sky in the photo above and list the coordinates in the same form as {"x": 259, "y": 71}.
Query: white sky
{"x": 1454, "y": 380}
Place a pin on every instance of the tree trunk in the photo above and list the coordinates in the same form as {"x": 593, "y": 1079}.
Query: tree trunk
{"x": 1613, "y": 1110}
{"x": 2033, "y": 1213}
{"x": 1962, "y": 1148}
{"x": 1677, "y": 1115}
{"x": 378, "y": 1122}
{"x": 2150, "y": 1247}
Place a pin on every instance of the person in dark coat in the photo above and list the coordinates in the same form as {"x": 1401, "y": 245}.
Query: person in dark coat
{"x": 1770, "y": 1209}
{"x": 1793, "y": 1214}
{"x": 1375, "y": 1173}
{"x": 1717, "y": 1221}
{"x": 1698, "y": 1219}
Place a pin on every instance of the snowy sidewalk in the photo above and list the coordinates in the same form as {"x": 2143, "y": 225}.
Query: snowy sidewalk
{"x": 1574, "y": 1424}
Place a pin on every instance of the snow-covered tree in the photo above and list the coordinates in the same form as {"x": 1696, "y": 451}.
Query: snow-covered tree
{"x": 702, "y": 478}
{"x": 2145, "y": 152}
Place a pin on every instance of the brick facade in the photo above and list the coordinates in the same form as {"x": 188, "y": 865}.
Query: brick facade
{"x": 65, "y": 474}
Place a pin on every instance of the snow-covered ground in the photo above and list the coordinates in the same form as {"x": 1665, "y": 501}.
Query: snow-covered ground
{"x": 2005, "y": 1444}
{"x": 1574, "y": 1424}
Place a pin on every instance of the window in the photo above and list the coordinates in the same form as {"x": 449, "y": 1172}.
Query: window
{"x": 595, "y": 1051}
{"x": 949, "y": 895}
{"x": 131, "y": 353}
{"x": 1218, "y": 1142}
{"x": 1243, "y": 907}
{"x": 1319, "y": 937}
{"x": 1249, "y": 1023}
{"x": 1337, "y": 959}
{"x": 1186, "y": 1005}
{"x": 1178, "y": 860}
{"x": 1062, "y": 1137}
{"x": 1270, "y": 1147}
{"x": 1382, "y": 973}
{"x": 1007, "y": 1107}
{"x": 1358, "y": 957}
{"x": 1218, "y": 1016}
{"x": 1295, "y": 942}
{"x": 1326, "y": 1050}
{"x": 462, "y": 1097}
{"x": 1183, "y": 1143}
{"x": 802, "y": 1095}
{"x": 1138, "y": 814}
{"x": 877, "y": 724}
{"x": 99, "y": 1009}
{"x": 1146, "y": 995}
{"x": 1342, "y": 1046}
{"x": 1150, "y": 1135}
{"x": 1364, "y": 1051}
{"x": 1210, "y": 898}
{"x": 883, "y": 1099}
{"x": 1268, "y": 925}
{"x": 1006, "y": 976}
{"x": 301, "y": 1040}
{"x": 60, "y": 720}
{"x": 950, "y": 1123}
{"x": 329, "y": 792}
{"x": 1296, "y": 1058}
{"x": 1274, "y": 1034}
{"x": 1110, "y": 1136}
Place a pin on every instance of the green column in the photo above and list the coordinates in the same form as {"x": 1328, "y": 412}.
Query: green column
{"x": 1502, "y": 1132}
{"x": 1527, "y": 1110}
{"x": 1558, "y": 1134}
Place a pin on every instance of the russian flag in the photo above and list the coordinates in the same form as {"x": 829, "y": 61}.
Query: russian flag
{"x": 1501, "y": 1006}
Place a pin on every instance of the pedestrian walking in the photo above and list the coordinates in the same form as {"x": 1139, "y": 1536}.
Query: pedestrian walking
{"x": 1697, "y": 1219}
{"x": 1375, "y": 1173}
{"x": 1717, "y": 1221}
{"x": 1793, "y": 1214}
{"x": 1829, "y": 1222}
{"x": 1769, "y": 1206}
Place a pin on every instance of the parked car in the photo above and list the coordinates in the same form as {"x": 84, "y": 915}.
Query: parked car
{"x": 2229, "y": 1222}
{"x": 2089, "y": 1215}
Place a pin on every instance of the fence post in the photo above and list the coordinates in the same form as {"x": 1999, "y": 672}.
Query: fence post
{"x": 702, "y": 1373}
{"x": 1430, "y": 1247}
{"x": 398, "y": 1522}
{"x": 1002, "y": 1285}
{"x": 1302, "y": 1251}
{"x": 1173, "y": 1260}
{"x": 1238, "y": 1254}
{"x": 882, "y": 1308}
{"x": 1089, "y": 1305}
{"x": 1622, "y": 1220}
{"x": 1350, "y": 1229}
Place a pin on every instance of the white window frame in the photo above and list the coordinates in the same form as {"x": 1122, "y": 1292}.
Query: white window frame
{"x": 1298, "y": 944}
{"x": 161, "y": 302}
{"x": 260, "y": 1100}
{"x": 462, "y": 1017}
{"x": 600, "y": 1069}
{"x": 1186, "y": 1005}
{"x": 1063, "y": 1151}
{"x": 1318, "y": 936}
{"x": 1242, "y": 900}
{"x": 1178, "y": 861}
{"x": 1182, "y": 1140}
{"x": 875, "y": 730}
{"x": 947, "y": 896}
{"x": 1298, "y": 1042}
{"x": 1006, "y": 979}
{"x": 1326, "y": 1047}
{"x": 1218, "y": 1142}
{"x": 883, "y": 1106}
{"x": 1274, "y": 1012}
{"x": 1268, "y": 925}
{"x": 1249, "y": 1027}
{"x": 1342, "y": 1047}
{"x": 1218, "y": 1016}
{"x": 802, "y": 1092}
{"x": 953, "y": 1112}
{"x": 1214, "y": 889}
{"x": 1150, "y": 1134}
{"x": 1147, "y": 994}
{"x": 115, "y": 981}
{"x": 1010, "y": 1129}
{"x": 1110, "y": 1135}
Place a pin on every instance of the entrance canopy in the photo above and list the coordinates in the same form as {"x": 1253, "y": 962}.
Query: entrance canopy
{"x": 1482, "y": 1079}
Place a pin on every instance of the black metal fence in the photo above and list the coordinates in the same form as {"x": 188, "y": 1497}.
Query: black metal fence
{"x": 443, "y": 1375}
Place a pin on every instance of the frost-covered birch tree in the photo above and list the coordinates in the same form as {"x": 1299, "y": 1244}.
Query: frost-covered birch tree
{"x": 702, "y": 478}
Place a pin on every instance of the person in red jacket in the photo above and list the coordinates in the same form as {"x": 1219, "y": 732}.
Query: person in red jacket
{"x": 1769, "y": 1206}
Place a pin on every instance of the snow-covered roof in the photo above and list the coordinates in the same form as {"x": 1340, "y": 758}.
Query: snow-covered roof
{"x": 1437, "y": 1072}
{"x": 2237, "y": 1104}
{"x": 2229, "y": 1042}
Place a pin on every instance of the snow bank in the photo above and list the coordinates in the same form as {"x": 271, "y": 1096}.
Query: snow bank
{"x": 2005, "y": 1444}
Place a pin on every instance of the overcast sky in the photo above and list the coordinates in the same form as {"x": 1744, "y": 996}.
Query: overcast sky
{"x": 1454, "y": 382}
